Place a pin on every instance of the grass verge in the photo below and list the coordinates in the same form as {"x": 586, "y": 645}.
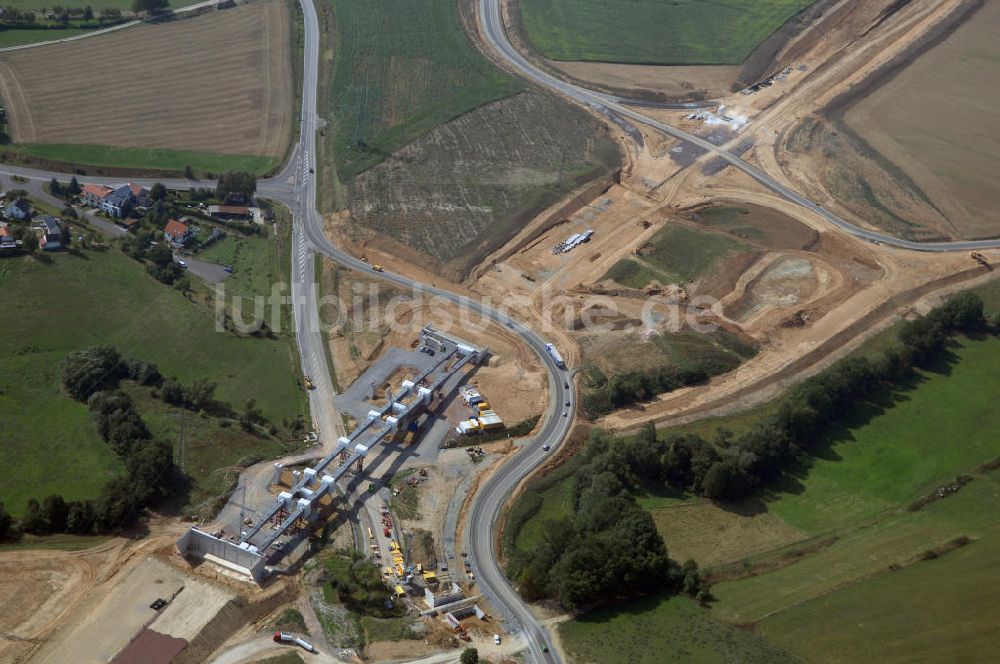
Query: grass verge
{"x": 136, "y": 159}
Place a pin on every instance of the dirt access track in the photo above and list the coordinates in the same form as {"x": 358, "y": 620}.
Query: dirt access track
{"x": 218, "y": 82}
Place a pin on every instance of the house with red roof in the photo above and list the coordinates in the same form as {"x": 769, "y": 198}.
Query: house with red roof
{"x": 177, "y": 232}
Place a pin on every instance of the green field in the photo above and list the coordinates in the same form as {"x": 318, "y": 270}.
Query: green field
{"x": 673, "y": 254}
{"x": 652, "y": 31}
{"x": 653, "y": 630}
{"x": 67, "y": 302}
{"x": 257, "y": 263}
{"x": 845, "y": 603}
{"x": 97, "y": 5}
{"x": 138, "y": 159}
{"x": 839, "y": 569}
{"x": 945, "y": 425}
{"x": 399, "y": 70}
{"x": 14, "y": 37}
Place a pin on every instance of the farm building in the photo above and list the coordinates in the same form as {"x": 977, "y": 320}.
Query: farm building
{"x": 177, "y": 232}
{"x": 229, "y": 211}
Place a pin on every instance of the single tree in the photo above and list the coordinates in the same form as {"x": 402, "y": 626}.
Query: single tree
{"x": 88, "y": 14}
{"x": 6, "y": 524}
{"x": 30, "y": 242}
{"x": 157, "y": 192}
{"x": 55, "y": 188}
{"x": 74, "y": 187}
{"x": 470, "y": 656}
{"x": 149, "y": 6}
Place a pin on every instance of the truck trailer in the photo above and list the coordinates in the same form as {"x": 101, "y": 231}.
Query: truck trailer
{"x": 554, "y": 354}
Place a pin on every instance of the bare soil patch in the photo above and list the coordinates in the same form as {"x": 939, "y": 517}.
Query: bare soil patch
{"x": 653, "y": 81}
{"x": 512, "y": 380}
{"x": 450, "y": 198}
{"x": 219, "y": 82}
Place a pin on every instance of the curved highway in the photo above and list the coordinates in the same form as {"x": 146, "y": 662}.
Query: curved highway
{"x": 609, "y": 105}
{"x": 296, "y": 187}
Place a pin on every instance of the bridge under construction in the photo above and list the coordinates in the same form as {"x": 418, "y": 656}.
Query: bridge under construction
{"x": 295, "y": 509}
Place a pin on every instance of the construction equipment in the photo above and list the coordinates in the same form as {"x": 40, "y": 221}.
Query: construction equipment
{"x": 979, "y": 258}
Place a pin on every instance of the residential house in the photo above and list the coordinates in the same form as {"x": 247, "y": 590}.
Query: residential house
{"x": 51, "y": 232}
{"x": 177, "y": 233}
{"x": 19, "y": 210}
{"x": 140, "y": 195}
{"x": 7, "y": 241}
{"x": 115, "y": 202}
{"x": 229, "y": 211}
{"x": 94, "y": 194}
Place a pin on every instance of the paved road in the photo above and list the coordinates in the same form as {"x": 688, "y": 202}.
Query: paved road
{"x": 495, "y": 33}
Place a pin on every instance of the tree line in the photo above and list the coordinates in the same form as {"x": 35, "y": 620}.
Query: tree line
{"x": 91, "y": 376}
{"x": 609, "y": 547}
{"x": 606, "y": 550}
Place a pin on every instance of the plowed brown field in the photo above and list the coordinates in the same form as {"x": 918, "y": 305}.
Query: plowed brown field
{"x": 221, "y": 82}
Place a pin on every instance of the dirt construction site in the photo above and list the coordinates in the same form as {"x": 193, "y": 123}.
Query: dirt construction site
{"x": 803, "y": 292}
{"x": 129, "y": 601}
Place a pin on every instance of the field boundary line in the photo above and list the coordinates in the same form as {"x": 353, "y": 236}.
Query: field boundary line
{"x": 103, "y": 31}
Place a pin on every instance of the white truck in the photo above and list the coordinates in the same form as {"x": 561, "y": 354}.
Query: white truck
{"x": 289, "y": 638}
{"x": 554, "y": 354}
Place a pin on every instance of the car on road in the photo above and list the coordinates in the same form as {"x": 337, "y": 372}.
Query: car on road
{"x": 228, "y": 268}
{"x": 377, "y": 268}
{"x": 567, "y": 404}
{"x": 546, "y": 447}
{"x": 182, "y": 264}
{"x": 566, "y": 385}
{"x": 307, "y": 381}
{"x": 496, "y": 639}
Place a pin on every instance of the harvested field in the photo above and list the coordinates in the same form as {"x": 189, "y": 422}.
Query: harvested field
{"x": 457, "y": 194}
{"x": 232, "y": 94}
{"x": 713, "y": 535}
{"x": 936, "y": 121}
